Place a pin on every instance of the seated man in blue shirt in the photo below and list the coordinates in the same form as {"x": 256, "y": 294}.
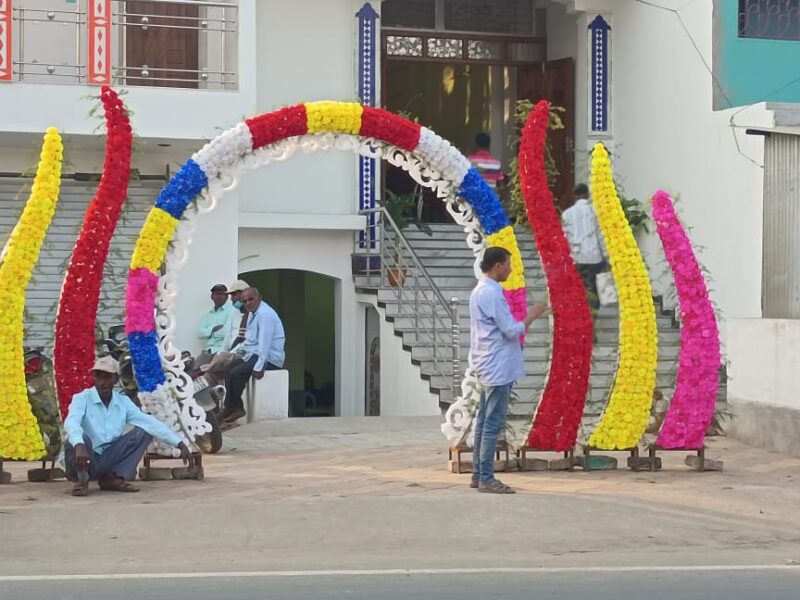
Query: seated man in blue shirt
{"x": 262, "y": 350}
{"x": 96, "y": 448}
{"x": 496, "y": 357}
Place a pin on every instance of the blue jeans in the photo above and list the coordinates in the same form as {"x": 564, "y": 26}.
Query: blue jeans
{"x": 120, "y": 457}
{"x": 489, "y": 422}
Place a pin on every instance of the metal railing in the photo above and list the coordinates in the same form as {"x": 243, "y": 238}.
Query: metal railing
{"x": 50, "y": 43}
{"x": 388, "y": 262}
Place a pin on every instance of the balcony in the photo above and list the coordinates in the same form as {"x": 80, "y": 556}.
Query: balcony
{"x": 173, "y": 56}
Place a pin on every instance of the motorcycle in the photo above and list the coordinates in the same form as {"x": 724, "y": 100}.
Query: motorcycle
{"x": 209, "y": 398}
{"x": 44, "y": 404}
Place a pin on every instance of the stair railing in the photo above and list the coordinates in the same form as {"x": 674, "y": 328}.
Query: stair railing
{"x": 391, "y": 264}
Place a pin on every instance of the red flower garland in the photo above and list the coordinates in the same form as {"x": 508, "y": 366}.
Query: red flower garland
{"x": 77, "y": 310}
{"x": 555, "y": 426}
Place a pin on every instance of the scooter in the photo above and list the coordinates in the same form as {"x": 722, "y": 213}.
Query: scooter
{"x": 207, "y": 397}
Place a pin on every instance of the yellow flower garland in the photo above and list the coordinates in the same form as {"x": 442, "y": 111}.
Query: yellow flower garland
{"x": 20, "y": 437}
{"x": 625, "y": 418}
{"x": 334, "y": 117}
{"x": 154, "y": 238}
{"x": 505, "y": 238}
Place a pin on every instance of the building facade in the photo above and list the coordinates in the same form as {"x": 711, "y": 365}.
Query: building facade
{"x": 670, "y": 89}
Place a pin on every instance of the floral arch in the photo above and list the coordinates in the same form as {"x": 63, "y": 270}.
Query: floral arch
{"x": 162, "y": 247}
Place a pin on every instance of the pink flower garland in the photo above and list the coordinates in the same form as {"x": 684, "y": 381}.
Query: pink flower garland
{"x": 692, "y": 406}
{"x": 74, "y": 350}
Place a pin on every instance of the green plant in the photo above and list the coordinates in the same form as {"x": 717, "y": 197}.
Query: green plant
{"x": 516, "y": 203}
{"x": 635, "y": 213}
{"x": 406, "y": 209}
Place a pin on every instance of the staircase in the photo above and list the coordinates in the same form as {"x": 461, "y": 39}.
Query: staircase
{"x": 449, "y": 265}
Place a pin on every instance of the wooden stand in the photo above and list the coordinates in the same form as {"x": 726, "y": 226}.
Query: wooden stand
{"x": 522, "y": 456}
{"x": 455, "y": 466}
{"x": 5, "y": 476}
{"x": 701, "y": 455}
{"x": 147, "y": 472}
{"x": 587, "y": 452}
{"x": 45, "y": 475}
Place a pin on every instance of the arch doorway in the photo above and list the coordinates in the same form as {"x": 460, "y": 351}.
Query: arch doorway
{"x": 306, "y": 303}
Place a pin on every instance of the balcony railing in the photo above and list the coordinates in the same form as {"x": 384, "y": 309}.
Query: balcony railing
{"x": 167, "y": 43}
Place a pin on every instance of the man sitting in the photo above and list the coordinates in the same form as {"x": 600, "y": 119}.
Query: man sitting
{"x": 215, "y": 325}
{"x": 96, "y": 448}
{"x": 262, "y": 350}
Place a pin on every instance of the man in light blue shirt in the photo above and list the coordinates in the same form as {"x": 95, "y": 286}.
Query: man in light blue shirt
{"x": 496, "y": 357}
{"x": 262, "y": 350}
{"x": 96, "y": 448}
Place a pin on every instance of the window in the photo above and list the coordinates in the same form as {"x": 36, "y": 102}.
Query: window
{"x": 769, "y": 19}
{"x": 409, "y": 14}
{"x": 502, "y": 17}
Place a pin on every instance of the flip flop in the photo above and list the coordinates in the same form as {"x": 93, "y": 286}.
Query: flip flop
{"x": 496, "y": 487}
{"x": 80, "y": 489}
{"x": 120, "y": 487}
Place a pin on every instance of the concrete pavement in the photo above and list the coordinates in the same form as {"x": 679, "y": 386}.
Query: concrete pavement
{"x": 374, "y": 493}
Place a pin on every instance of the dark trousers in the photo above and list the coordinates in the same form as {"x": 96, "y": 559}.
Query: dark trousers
{"x": 121, "y": 457}
{"x": 589, "y": 275}
{"x": 236, "y": 378}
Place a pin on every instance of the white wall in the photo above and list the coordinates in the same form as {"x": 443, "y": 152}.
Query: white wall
{"x": 764, "y": 355}
{"x": 403, "y": 391}
{"x": 327, "y": 253}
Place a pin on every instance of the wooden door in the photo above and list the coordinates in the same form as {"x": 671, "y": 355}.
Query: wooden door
{"x": 555, "y": 81}
{"x": 162, "y": 45}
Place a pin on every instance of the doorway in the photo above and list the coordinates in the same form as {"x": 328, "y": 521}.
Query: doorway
{"x": 306, "y": 304}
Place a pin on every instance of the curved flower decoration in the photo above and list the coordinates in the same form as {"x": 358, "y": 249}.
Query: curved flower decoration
{"x": 20, "y": 437}
{"x": 558, "y": 416}
{"x": 74, "y": 349}
{"x": 692, "y": 407}
{"x": 625, "y": 417}
{"x": 162, "y": 394}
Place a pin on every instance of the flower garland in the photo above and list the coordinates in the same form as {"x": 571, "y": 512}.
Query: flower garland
{"x": 625, "y": 418}
{"x": 227, "y": 152}
{"x": 692, "y": 407}
{"x": 558, "y": 416}
{"x": 20, "y": 437}
{"x": 74, "y": 347}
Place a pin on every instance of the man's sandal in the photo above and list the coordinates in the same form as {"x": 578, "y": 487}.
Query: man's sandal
{"x": 80, "y": 489}
{"x": 119, "y": 487}
{"x": 496, "y": 487}
{"x": 474, "y": 484}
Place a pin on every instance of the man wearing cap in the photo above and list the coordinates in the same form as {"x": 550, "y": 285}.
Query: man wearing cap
{"x": 96, "y": 448}
{"x": 235, "y": 331}
{"x": 215, "y": 325}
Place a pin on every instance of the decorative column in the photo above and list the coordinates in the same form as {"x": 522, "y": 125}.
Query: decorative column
{"x": 6, "y": 48}
{"x": 99, "y": 45}
{"x": 367, "y": 167}
{"x": 600, "y": 92}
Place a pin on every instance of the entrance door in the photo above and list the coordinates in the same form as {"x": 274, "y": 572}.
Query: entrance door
{"x": 168, "y": 41}
{"x": 555, "y": 81}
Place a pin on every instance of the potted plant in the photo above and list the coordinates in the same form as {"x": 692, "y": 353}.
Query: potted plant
{"x": 404, "y": 210}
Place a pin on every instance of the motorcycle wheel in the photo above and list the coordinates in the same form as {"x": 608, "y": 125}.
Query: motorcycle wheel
{"x": 211, "y": 442}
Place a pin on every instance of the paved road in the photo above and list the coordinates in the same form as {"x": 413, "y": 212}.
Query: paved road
{"x": 613, "y": 584}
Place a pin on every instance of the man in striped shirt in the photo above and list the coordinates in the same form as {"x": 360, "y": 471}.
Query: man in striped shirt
{"x": 490, "y": 168}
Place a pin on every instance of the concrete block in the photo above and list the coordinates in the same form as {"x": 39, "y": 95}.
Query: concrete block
{"x": 155, "y": 474}
{"x": 561, "y": 464}
{"x": 188, "y": 473}
{"x": 5, "y": 477}
{"x": 597, "y": 462}
{"x": 774, "y": 428}
{"x": 642, "y": 463}
{"x": 41, "y": 475}
{"x": 268, "y": 398}
{"x": 533, "y": 464}
{"x": 709, "y": 465}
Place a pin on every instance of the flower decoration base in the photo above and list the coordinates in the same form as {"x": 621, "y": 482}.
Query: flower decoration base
{"x": 698, "y": 461}
{"x": 150, "y": 473}
{"x": 455, "y": 464}
{"x": 566, "y": 463}
{"x": 585, "y": 461}
{"x": 46, "y": 474}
